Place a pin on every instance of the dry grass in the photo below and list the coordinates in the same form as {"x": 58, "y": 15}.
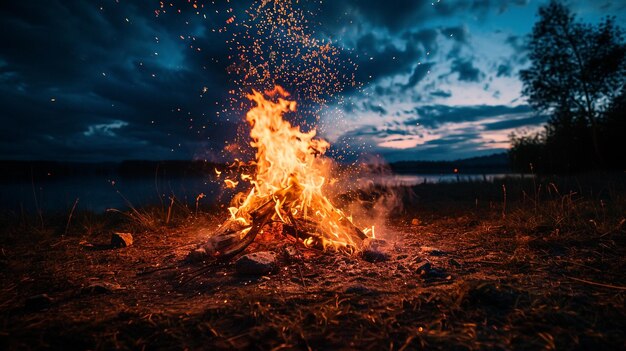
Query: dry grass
{"x": 543, "y": 270}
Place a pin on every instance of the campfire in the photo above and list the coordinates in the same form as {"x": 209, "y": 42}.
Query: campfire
{"x": 287, "y": 187}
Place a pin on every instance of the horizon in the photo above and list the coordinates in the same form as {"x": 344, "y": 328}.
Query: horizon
{"x": 60, "y": 161}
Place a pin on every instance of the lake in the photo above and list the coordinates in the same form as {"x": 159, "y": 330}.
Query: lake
{"x": 98, "y": 194}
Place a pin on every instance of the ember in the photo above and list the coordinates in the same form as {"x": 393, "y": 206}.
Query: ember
{"x": 288, "y": 186}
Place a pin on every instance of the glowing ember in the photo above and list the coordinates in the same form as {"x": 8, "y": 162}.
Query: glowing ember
{"x": 288, "y": 186}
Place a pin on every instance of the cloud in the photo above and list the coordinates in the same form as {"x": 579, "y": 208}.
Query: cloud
{"x": 379, "y": 58}
{"x": 419, "y": 73}
{"x": 520, "y": 47}
{"x": 466, "y": 70}
{"x": 504, "y": 70}
{"x": 524, "y": 121}
{"x": 400, "y": 15}
{"x": 78, "y": 77}
{"x": 425, "y": 38}
{"x": 441, "y": 94}
{"x": 433, "y": 116}
{"x": 107, "y": 129}
{"x": 458, "y": 33}
{"x": 432, "y": 132}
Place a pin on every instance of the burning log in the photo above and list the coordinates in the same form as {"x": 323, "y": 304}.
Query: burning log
{"x": 287, "y": 186}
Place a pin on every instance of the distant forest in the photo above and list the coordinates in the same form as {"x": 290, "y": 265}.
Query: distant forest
{"x": 26, "y": 171}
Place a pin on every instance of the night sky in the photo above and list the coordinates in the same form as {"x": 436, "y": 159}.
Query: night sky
{"x": 113, "y": 80}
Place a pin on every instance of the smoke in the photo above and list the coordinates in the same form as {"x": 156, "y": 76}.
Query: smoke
{"x": 371, "y": 195}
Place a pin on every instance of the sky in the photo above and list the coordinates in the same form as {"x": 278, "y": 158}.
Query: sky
{"x": 112, "y": 80}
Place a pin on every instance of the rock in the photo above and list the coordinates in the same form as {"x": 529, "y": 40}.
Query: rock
{"x": 38, "y": 302}
{"x": 376, "y": 250}
{"x": 358, "y": 289}
{"x": 426, "y": 270}
{"x": 423, "y": 267}
{"x": 433, "y": 251}
{"x": 100, "y": 288}
{"x": 197, "y": 255}
{"x": 121, "y": 239}
{"x": 415, "y": 222}
{"x": 257, "y": 263}
{"x": 455, "y": 263}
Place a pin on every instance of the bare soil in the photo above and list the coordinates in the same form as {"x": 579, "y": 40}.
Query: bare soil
{"x": 542, "y": 269}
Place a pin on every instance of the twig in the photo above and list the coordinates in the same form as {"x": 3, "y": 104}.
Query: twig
{"x": 69, "y": 219}
{"x": 32, "y": 183}
{"x": 487, "y": 262}
{"x": 154, "y": 270}
{"x": 169, "y": 210}
{"x": 196, "y": 274}
{"x": 617, "y": 287}
{"x": 504, "y": 201}
{"x": 295, "y": 228}
{"x": 156, "y": 187}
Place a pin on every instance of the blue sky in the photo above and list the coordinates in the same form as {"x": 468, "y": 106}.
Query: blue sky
{"x": 110, "y": 80}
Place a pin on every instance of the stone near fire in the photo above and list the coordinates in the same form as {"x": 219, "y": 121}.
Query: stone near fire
{"x": 197, "y": 255}
{"x": 357, "y": 289}
{"x": 376, "y": 250}
{"x": 423, "y": 267}
{"x": 432, "y": 251}
{"x": 100, "y": 288}
{"x": 257, "y": 263}
{"x": 425, "y": 270}
{"x": 121, "y": 239}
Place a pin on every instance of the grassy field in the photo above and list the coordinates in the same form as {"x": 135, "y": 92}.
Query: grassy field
{"x": 534, "y": 263}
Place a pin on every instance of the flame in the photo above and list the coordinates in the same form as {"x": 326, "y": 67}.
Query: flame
{"x": 291, "y": 172}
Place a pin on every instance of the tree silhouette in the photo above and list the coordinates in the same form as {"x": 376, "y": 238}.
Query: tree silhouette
{"x": 577, "y": 71}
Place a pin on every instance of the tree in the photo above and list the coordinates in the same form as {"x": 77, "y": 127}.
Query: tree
{"x": 576, "y": 72}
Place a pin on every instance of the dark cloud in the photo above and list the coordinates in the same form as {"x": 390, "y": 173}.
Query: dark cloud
{"x": 426, "y": 39}
{"x": 504, "y": 70}
{"x": 434, "y": 116}
{"x": 377, "y": 58}
{"x": 449, "y": 148}
{"x": 466, "y": 70}
{"x": 533, "y": 120}
{"x": 399, "y": 15}
{"x": 91, "y": 82}
{"x": 518, "y": 43}
{"x": 379, "y": 13}
{"x": 377, "y": 108}
{"x": 441, "y": 94}
{"x": 419, "y": 72}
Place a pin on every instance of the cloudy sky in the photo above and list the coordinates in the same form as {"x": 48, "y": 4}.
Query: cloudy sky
{"x": 111, "y": 80}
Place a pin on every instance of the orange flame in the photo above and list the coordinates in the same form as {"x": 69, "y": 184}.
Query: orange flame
{"x": 291, "y": 172}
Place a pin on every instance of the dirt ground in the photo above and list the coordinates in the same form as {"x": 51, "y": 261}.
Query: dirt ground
{"x": 530, "y": 272}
